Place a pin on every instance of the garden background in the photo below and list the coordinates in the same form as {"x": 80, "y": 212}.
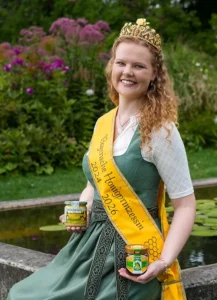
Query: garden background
{"x": 52, "y": 86}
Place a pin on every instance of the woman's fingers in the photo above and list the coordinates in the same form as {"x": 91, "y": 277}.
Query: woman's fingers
{"x": 153, "y": 270}
{"x": 140, "y": 279}
{"x": 62, "y": 218}
{"x": 77, "y": 229}
{"x": 123, "y": 272}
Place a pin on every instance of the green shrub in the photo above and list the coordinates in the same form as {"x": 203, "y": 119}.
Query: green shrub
{"x": 48, "y": 90}
{"x": 200, "y": 132}
{"x": 194, "y": 75}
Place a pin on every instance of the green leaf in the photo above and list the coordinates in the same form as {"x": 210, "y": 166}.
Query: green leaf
{"x": 204, "y": 233}
{"x": 10, "y": 166}
{"x": 53, "y": 228}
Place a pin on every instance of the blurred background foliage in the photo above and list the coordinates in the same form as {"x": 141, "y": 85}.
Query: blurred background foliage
{"x": 52, "y": 86}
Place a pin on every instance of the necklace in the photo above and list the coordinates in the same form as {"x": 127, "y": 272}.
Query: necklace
{"x": 121, "y": 127}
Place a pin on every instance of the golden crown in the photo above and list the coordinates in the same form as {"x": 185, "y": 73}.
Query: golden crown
{"x": 142, "y": 31}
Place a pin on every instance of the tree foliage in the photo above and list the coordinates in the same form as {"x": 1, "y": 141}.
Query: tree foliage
{"x": 186, "y": 20}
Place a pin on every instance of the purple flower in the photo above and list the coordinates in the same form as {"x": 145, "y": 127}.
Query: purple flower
{"x": 66, "y": 68}
{"x": 103, "y": 26}
{"x": 45, "y": 66}
{"x": 5, "y": 45}
{"x": 23, "y": 32}
{"x": 68, "y": 28}
{"x": 17, "y": 61}
{"x": 65, "y": 83}
{"x": 59, "y": 63}
{"x": 30, "y": 91}
{"x": 35, "y": 237}
{"x": 82, "y": 22}
{"x": 17, "y": 50}
{"x": 7, "y": 67}
{"x": 104, "y": 57}
{"x": 91, "y": 33}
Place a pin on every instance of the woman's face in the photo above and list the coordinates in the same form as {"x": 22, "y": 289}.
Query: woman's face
{"x": 132, "y": 71}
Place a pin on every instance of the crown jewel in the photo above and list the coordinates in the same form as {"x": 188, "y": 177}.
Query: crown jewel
{"x": 142, "y": 31}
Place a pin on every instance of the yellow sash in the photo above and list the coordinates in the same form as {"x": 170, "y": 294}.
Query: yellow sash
{"x": 125, "y": 209}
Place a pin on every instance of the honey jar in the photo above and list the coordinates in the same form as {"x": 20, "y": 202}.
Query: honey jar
{"x": 136, "y": 259}
{"x": 75, "y": 213}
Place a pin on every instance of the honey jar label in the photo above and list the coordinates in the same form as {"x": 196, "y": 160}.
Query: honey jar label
{"x": 75, "y": 218}
{"x": 137, "y": 263}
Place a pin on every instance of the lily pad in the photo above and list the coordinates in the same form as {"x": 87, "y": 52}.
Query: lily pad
{"x": 53, "y": 228}
{"x": 205, "y": 206}
{"x": 212, "y": 213}
{"x": 169, "y": 209}
{"x": 204, "y": 201}
{"x": 200, "y": 228}
{"x": 204, "y": 233}
{"x": 210, "y": 221}
{"x": 200, "y": 219}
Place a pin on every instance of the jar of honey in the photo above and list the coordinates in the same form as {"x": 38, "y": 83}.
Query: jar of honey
{"x": 75, "y": 213}
{"x": 136, "y": 258}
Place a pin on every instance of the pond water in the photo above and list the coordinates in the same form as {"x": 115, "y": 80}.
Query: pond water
{"x": 21, "y": 228}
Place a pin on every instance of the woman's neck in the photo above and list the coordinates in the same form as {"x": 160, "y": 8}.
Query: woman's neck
{"x": 127, "y": 109}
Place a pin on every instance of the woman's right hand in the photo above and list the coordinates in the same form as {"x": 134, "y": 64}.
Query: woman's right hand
{"x": 73, "y": 228}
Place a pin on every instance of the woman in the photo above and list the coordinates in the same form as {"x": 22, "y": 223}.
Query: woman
{"x": 134, "y": 148}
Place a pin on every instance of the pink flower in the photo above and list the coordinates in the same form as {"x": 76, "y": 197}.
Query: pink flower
{"x": 103, "y": 26}
{"x": 6, "y": 46}
{"x": 17, "y": 50}
{"x": 104, "y": 57}
{"x": 82, "y": 22}
{"x": 7, "y": 67}
{"x": 68, "y": 28}
{"x": 30, "y": 91}
{"x": 17, "y": 61}
{"x": 66, "y": 68}
{"x": 91, "y": 33}
{"x": 57, "y": 64}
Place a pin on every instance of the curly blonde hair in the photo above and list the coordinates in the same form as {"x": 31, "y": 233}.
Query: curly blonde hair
{"x": 160, "y": 102}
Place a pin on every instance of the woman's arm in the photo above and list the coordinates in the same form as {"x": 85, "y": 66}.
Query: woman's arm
{"x": 178, "y": 234}
{"x": 87, "y": 195}
{"x": 180, "y": 229}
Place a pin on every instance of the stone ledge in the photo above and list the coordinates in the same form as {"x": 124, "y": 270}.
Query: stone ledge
{"x": 202, "y": 183}
{"x": 16, "y": 263}
{"x": 27, "y": 203}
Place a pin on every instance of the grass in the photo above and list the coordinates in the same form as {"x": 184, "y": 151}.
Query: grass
{"x": 61, "y": 182}
{"x": 203, "y": 164}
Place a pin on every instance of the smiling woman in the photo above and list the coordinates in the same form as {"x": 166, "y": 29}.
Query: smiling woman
{"x": 132, "y": 71}
{"x": 135, "y": 149}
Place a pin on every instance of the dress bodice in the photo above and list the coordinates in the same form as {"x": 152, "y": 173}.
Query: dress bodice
{"x": 142, "y": 175}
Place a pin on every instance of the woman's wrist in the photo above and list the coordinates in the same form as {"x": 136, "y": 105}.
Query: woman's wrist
{"x": 165, "y": 263}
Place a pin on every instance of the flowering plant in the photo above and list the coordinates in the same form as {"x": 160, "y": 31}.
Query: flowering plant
{"x": 48, "y": 89}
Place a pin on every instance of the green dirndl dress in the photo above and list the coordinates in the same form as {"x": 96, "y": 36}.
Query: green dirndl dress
{"x": 86, "y": 268}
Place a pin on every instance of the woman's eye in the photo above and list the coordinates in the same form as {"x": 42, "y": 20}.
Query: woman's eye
{"x": 139, "y": 67}
{"x": 119, "y": 63}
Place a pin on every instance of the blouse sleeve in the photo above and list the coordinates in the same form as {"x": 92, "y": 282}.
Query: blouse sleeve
{"x": 169, "y": 156}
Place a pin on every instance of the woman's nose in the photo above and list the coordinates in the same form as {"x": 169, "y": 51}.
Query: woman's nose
{"x": 128, "y": 71}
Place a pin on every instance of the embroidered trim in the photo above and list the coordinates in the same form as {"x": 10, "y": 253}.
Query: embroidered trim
{"x": 122, "y": 283}
{"x": 97, "y": 265}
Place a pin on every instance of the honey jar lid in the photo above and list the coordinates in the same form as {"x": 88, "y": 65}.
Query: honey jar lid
{"x": 82, "y": 202}
{"x": 136, "y": 248}
{"x": 77, "y": 203}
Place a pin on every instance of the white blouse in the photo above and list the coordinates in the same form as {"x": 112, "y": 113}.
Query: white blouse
{"x": 168, "y": 155}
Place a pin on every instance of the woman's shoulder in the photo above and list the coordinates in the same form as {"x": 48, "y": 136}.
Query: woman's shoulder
{"x": 168, "y": 134}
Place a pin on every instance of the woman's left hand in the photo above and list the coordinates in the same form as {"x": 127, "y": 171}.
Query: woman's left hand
{"x": 153, "y": 270}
